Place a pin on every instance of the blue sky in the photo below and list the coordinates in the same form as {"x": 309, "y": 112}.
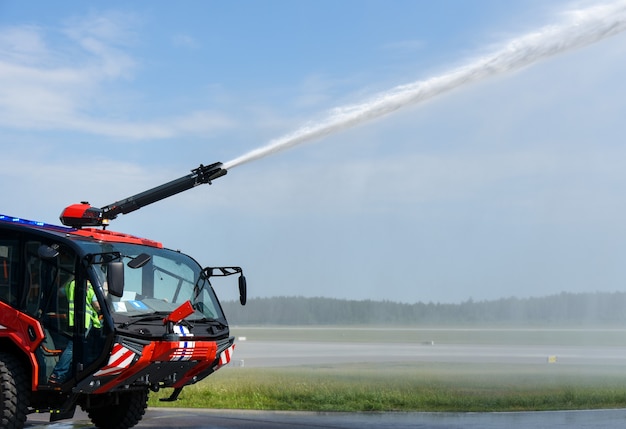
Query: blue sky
{"x": 512, "y": 186}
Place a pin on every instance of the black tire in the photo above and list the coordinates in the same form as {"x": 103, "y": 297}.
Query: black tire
{"x": 14, "y": 392}
{"x": 123, "y": 413}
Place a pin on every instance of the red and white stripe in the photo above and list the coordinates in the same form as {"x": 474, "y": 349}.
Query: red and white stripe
{"x": 120, "y": 359}
{"x": 226, "y": 355}
{"x": 184, "y": 351}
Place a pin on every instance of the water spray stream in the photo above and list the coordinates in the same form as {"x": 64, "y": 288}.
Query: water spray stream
{"x": 583, "y": 27}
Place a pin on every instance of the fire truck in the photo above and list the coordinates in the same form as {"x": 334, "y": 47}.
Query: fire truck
{"x": 124, "y": 314}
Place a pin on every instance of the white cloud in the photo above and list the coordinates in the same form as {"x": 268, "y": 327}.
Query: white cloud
{"x": 22, "y": 44}
{"x": 61, "y": 85}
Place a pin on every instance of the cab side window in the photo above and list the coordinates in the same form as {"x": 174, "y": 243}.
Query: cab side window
{"x": 45, "y": 281}
{"x": 9, "y": 271}
{"x": 34, "y": 279}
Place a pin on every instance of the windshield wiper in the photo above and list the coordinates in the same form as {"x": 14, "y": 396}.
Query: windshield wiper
{"x": 210, "y": 321}
{"x": 158, "y": 315}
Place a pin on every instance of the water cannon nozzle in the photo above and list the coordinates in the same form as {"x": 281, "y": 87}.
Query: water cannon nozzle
{"x": 210, "y": 172}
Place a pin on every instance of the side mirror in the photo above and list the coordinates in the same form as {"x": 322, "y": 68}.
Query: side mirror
{"x": 115, "y": 278}
{"x": 243, "y": 290}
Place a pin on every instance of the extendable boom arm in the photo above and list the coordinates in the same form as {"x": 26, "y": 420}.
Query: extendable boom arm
{"x": 198, "y": 176}
{"x": 79, "y": 215}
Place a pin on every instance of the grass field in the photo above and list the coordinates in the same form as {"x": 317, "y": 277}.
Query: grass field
{"x": 416, "y": 386}
{"x": 429, "y": 387}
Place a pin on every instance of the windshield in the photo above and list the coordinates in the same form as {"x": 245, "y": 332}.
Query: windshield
{"x": 168, "y": 280}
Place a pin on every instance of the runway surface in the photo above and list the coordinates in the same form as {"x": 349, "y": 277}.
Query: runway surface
{"x": 292, "y": 353}
{"x": 227, "y": 419}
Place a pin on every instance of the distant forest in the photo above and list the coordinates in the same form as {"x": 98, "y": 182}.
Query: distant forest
{"x": 571, "y": 309}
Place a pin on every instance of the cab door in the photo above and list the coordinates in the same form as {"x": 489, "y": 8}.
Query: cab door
{"x": 44, "y": 298}
{"x": 70, "y": 308}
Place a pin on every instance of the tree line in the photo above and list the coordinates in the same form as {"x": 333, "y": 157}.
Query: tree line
{"x": 599, "y": 308}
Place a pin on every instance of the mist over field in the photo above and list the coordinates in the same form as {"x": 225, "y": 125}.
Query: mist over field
{"x": 564, "y": 309}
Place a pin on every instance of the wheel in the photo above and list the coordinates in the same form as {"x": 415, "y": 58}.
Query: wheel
{"x": 123, "y": 413}
{"x": 14, "y": 392}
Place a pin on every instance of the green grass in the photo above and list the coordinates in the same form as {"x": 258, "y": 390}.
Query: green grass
{"x": 408, "y": 387}
{"x": 416, "y": 386}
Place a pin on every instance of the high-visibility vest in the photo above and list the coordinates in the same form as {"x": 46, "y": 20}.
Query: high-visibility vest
{"x": 91, "y": 315}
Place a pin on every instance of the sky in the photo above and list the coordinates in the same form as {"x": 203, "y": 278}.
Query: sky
{"x": 507, "y": 187}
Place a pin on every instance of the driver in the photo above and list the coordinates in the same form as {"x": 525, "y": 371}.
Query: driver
{"x": 61, "y": 370}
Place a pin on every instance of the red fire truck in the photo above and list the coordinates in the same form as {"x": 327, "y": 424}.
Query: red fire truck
{"x": 124, "y": 314}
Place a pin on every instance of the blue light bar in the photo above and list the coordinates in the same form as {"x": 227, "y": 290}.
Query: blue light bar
{"x": 20, "y": 221}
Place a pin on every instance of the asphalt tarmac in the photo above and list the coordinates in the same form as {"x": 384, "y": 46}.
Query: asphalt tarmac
{"x": 294, "y": 353}
{"x": 234, "y": 419}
